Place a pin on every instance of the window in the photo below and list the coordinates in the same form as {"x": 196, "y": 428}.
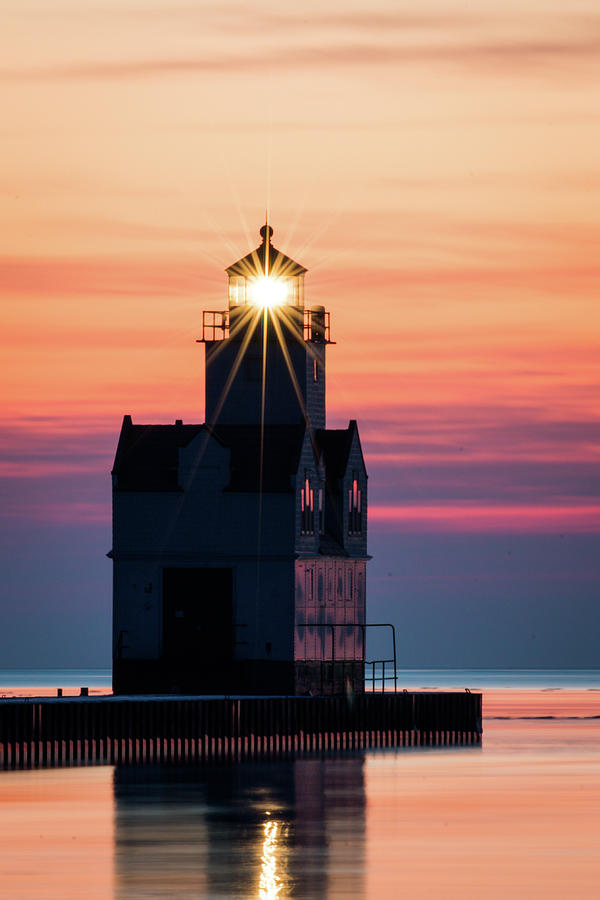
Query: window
{"x": 355, "y": 506}
{"x": 237, "y": 290}
{"x": 321, "y": 589}
{"x": 307, "y": 507}
{"x": 310, "y": 595}
{"x": 340, "y": 586}
{"x": 321, "y": 512}
{"x": 360, "y": 588}
{"x": 315, "y": 370}
{"x": 292, "y": 291}
{"x": 350, "y": 586}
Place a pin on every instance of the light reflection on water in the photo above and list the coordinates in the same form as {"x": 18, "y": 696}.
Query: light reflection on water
{"x": 262, "y": 830}
{"x": 518, "y": 817}
{"x": 269, "y": 885}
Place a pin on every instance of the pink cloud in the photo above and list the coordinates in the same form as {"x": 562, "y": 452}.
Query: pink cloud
{"x": 106, "y": 276}
{"x": 479, "y": 518}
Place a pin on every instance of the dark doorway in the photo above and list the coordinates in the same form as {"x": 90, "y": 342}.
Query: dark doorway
{"x": 198, "y": 626}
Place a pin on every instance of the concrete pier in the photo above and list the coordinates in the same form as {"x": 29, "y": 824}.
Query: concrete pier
{"x": 138, "y": 730}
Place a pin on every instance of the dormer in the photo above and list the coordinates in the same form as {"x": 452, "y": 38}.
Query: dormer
{"x": 346, "y": 487}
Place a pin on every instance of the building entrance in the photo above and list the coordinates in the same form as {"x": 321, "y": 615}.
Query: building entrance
{"x": 198, "y": 624}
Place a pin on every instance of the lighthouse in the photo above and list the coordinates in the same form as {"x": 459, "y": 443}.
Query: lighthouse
{"x": 240, "y": 544}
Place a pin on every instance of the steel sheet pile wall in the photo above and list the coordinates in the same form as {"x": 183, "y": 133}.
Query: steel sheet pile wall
{"x": 76, "y": 731}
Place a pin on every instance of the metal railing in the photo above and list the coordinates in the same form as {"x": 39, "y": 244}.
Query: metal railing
{"x": 317, "y": 326}
{"x": 216, "y": 326}
{"x": 373, "y": 679}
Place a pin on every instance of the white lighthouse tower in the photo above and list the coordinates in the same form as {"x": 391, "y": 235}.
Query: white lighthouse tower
{"x": 240, "y": 545}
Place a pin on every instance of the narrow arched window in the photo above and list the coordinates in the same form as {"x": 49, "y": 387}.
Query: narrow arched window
{"x": 355, "y": 505}
{"x": 321, "y": 589}
{"x": 307, "y": 506}
{"x": 310, "y": 593}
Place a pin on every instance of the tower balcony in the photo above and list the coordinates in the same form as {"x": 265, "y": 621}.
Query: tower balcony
{"x": 217, "y": 325}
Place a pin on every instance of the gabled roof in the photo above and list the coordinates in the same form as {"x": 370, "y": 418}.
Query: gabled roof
{"x": 255, "y": 263}
{"x": 147, "y": 457}
{"x": 334, "y": 446}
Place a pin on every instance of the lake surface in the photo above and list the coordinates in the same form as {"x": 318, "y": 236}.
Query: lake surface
{"x": 46, "y": 681}
{"x": 518, "y": 817}
{"x": 42, "y": 682}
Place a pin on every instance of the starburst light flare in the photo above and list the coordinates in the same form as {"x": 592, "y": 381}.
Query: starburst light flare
{"x": 267, "y": 291}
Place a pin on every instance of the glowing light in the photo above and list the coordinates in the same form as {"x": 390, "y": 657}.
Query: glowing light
{"x": 269, "y": 885}
{"x": 267, "y": 291}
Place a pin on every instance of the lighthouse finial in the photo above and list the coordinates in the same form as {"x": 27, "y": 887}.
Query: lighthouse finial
{"x": 266, "y": 230}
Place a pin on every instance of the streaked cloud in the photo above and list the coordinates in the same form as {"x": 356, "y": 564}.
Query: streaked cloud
{"x": 537, "y": 57}
{"x": 492, "y": 482}
{"x": 58, "y": 470}
{"x": 105, "y": 276}
{"x": 540, "y": 45}
{"x": 506, "y": 519}
{"x": 55, "y": 447}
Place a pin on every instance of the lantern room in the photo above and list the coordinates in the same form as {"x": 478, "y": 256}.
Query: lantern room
{"x": 266, "y": 277}
{"x": 265, "y": 327}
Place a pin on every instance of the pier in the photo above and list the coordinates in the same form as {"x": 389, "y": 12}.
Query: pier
{"x": 42, "y": 732}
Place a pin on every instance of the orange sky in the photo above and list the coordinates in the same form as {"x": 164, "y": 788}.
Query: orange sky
{"x": 437, "y": 172}
{"x": 434, "y": 167}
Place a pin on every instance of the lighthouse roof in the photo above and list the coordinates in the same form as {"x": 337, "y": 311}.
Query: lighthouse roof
{"x": 147, "y": 457}
{"x": 335, "y": 446}
{"x": 266, "y": 259}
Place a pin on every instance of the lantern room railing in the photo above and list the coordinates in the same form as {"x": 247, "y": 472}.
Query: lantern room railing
{"x": 215, "y": 325}
{"x": 316, "y": 326}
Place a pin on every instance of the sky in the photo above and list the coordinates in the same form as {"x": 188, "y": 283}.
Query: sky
{"x": 435, "y": 167}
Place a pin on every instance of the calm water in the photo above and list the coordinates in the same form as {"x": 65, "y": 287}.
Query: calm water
{"x": 516, "y": 818}
{"x": 53, "y": 678}
{"x": 484, "y": 679}
{"x": 411, "y": 679}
